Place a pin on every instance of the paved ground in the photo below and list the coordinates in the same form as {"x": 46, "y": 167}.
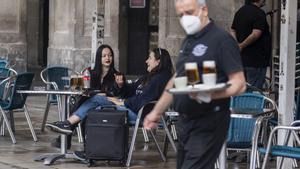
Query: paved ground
{"x": 20, "y": 155}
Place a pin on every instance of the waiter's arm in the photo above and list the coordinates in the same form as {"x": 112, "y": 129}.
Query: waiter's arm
{"x": 238, "y": 85}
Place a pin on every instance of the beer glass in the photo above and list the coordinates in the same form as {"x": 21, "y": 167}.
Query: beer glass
{"x": 209, "y": 75}
{"x": 73, "y": 82}
{"x": 80, "y": 82}
{"x": 191, "y": 69}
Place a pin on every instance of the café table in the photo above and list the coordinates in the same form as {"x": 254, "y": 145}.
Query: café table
{"x": 49, "y": 158}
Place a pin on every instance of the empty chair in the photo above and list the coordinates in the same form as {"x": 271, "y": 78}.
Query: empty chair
{"x": 56, "y": 79}
{"x": 243, "y": 132}
{"x": 15, "y": 100}
{"x": 284, "y": 150}
{"x": 141, "y": 114}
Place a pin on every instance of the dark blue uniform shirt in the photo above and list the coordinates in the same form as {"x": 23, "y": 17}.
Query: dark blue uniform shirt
{"x": 211, "y": 43}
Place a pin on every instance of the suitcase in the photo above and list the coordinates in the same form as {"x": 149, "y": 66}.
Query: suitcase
{"x": 106, "y": 135}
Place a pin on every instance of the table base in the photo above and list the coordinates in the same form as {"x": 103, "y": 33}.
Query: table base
{"x": 50, "y": 158}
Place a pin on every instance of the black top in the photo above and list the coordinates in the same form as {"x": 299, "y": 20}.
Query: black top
{"x": 247, "y": 18}
{"x": 139, "y": 94}
{"x": 211, "y": 43}
{"x": 108, "y": 84}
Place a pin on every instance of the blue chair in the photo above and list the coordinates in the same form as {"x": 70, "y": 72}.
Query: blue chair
{"x": 15, "y": 100}
{"x": 5, "y": 73}
{"x": 55, "y": 78}
{"x": 241, "y": 131}
{"x": 3, "y": 63}
{"x": 284, "y": 151}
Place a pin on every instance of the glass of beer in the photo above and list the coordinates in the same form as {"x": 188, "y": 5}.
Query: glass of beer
{"x": 80, "y": 82}
{"x": 73, "y": 82}
{"x": 191, "y": 69}
{"x": 209, "y": 76}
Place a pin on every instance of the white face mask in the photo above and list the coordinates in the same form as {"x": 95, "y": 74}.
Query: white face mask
{"x": 190, "y": 23}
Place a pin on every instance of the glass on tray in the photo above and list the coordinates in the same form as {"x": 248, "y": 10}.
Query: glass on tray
{"x": 192, "y": 73}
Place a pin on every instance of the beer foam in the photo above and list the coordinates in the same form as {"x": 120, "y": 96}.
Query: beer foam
{"x": 191, "y": 65}
{"x": 209, "y": 63}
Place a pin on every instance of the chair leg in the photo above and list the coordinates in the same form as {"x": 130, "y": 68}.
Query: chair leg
{"x": 12, "y": 136}
{"x": 29, "y": 123}
{"x": 12, "y": 121}
{"x": 257, "y": 160}
{"x": 168, "y": 134}
{"x": 46, "y": 113}
{"x": 136, "y": 126}
{"x": 174, "y": 133}
{"x": 295, "y": 164}
{"x": 79, "y": 133}
{"x": 2, "y": 126}
{"x": 157, "y": 146}
{"x": 146, "y": 138}
{"x": 60, "y": 109}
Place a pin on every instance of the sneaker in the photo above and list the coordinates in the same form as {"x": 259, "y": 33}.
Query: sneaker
{"x": 63, "y": 127}
{"x": 80, "y": 155}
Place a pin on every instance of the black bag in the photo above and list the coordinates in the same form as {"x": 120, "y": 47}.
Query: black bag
{"x": 106, "y": 134}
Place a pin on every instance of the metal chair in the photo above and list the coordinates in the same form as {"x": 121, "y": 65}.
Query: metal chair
{"x": 5, "y": 73}
{"x": 15, "y": 100}
{"x": 284, "y": 151}
{"x": 141, "y": 114}
{"x": 243, "y": 133}
{"x": 3, "y": 63}
{"x": 55, "y": 78}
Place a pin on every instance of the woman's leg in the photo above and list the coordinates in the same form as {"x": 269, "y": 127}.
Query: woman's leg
{"x": 131, "y": 115}
{"x": 90, "y": 104}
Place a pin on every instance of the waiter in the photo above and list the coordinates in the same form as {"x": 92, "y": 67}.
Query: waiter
{"x": 204, "y": 117}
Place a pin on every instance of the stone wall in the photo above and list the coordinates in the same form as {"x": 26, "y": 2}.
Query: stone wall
{"x": 13, "y": 41}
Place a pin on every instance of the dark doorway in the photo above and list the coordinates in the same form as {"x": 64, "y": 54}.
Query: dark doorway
{"x": 138, "y": 39}
{"x": 43, "y": 32}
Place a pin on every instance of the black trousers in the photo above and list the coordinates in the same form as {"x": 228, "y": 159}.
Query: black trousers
{"x": 201, "y": 139}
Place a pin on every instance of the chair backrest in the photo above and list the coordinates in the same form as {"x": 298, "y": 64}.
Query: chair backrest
{"x": 241, "y": 130}
{"x": 3, "y": 63}
{"x": 248, "y": 101}
{"x": 5, "y": 73}
{"x": 54, "y": 75}
{"x": 146, "y": 109}
{"x": 21, "y": 82}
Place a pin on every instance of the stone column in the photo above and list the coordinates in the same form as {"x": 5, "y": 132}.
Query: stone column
{"x": 70, "y": 25}
{"x": 13, "y": 41}
{"x": 115, "y": 31}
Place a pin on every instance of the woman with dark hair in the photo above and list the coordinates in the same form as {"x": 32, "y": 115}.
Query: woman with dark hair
{"x": 102, "y": 78}
{"x": 146, "y": 89}
{"x": 103, "y": 74}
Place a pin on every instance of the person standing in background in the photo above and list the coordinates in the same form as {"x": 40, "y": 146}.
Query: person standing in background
{"x": 251, "y": 30}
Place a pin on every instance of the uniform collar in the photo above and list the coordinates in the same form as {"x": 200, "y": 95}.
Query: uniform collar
{"x": 203, "y": 30}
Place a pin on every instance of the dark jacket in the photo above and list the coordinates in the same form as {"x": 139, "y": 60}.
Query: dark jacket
{"x": 138, "y": 94}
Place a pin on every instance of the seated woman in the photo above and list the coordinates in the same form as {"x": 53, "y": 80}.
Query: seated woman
{"x": 146, "y": 89}
{"x": 102, "y": 78}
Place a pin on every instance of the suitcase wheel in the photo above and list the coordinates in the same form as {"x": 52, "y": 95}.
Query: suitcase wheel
{"x": 90, "y": 163}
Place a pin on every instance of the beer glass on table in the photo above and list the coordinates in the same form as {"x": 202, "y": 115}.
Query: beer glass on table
{"x": 80, "y": 82}
{"x": 191, "y": 69}
{"x": 73, "y": 82}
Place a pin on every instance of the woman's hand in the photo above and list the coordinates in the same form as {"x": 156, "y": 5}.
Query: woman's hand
{"x": 119, "y": 102}
{"x": 119, "y": 78}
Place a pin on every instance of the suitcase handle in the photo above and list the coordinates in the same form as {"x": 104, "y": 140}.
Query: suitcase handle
{"x": 108, "y": 107}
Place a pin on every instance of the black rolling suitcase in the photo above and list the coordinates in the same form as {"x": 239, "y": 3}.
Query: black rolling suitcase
{"x": 106, "y": 135}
